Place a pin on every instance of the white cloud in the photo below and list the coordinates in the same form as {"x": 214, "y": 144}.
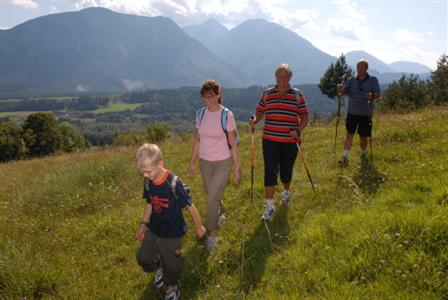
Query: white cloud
{"x": 351, "y": 9}
{"x": 79, "y": 4}
{"x": 26, "y": 4}
{"x": 406, "y": 36}
{"x": 293, "y": 20}
{"x": 82, "y": 87}
{"x": 417, "y": 54}
{"x": 131, "y": 84}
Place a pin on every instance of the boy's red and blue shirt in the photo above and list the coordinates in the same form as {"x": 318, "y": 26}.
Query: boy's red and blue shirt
{"x": 166, "y": 218}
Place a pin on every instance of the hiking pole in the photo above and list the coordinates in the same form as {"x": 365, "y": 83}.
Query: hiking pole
{"x": 305, "y": 165}
{"x": 337, "y": 125}
{"x": 302, "y": 157}
{"x": 338, "y": 116}
{"x": 252, "y": 161}
{"x": 371, "y": 131}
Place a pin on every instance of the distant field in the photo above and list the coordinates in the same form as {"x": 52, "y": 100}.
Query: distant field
{"x": 115, "y": 107}
{"x": 21, "y": 114}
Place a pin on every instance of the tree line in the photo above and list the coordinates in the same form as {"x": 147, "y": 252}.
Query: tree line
{"x": 84, "y": 103}
{"x": 41, "y": 134}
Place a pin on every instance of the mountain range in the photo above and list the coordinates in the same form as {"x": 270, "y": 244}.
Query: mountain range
{"x": 99, "y": 50}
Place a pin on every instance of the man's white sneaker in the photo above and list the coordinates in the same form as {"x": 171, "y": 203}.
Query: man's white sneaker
{"x": 268, "y": 213}
{"x": 285, "y": 196}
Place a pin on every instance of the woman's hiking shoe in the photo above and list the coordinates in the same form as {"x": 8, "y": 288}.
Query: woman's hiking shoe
{"x": 285, "y": 196}
{"x": 222, "y": 219}
{"x": 268, "y": 213}
{"x": 211, "y": 243}
{"x": 158, "y": 279}
{"x": 172, "y": 293}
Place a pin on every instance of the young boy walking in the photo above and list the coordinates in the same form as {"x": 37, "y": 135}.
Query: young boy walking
{"x": 163, "y": 225}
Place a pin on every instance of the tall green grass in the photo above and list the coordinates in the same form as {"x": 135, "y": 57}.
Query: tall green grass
{"x": 372, "y": 231}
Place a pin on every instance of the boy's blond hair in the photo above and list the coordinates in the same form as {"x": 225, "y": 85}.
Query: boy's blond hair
{"x": 148, "y": 154}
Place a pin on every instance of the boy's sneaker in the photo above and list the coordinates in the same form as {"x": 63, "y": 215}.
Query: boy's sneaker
{"x": 222, "y": 219}
{"x": 343, "y": 162}
{"x": 172, "y": 293}
{"x": 211, "y": 243}
{"x": 158, "y": 279}
{"x": 285, "y": 195}
{"x": 268, "y": 213}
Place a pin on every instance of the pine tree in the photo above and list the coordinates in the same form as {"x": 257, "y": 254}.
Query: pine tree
{"x": 336, "y": 73}
{"x": 439, "y": 79}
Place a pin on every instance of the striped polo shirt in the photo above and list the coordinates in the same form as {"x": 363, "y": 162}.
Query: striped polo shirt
{"x": 281, "y": 113}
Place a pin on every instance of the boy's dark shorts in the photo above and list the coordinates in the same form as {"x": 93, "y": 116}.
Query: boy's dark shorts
{"x": 360, "y": 124}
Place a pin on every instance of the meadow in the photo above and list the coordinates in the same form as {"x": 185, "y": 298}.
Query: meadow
{"x": 375, "y": 230}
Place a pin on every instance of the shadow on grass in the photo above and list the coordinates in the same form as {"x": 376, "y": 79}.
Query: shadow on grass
{"x": 368, "y": 178}
{"x": 194, "y": 274}
{"x": 267, "y": 238}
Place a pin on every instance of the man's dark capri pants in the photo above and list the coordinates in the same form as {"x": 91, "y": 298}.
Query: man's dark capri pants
{"x": 359, "y": 124}
{"x": 278, "y": 157}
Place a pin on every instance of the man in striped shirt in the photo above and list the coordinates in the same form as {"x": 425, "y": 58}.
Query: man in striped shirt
{"x": 286, "y": 115}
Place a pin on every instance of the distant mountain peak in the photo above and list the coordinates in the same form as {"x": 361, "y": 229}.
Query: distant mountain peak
{"x": 101, "y": 50}
{"x": 353, "y": 57}
{"x": 214, "y": 22}
{"x": 96, "y": 8}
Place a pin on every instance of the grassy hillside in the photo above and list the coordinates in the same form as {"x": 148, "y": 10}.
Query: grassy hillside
{"x": 378, "y": 231}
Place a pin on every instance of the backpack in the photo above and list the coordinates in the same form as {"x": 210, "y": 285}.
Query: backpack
{"x": 173, "y": 186}
{"x": 172, "y": 183}
{"x": 224, "y": 117}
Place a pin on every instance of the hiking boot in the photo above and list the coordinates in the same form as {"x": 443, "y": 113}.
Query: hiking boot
{"x": 268, "y": 213}
{"x": 172, "y": 293}
{"x": 211, "y": 243}
{"x": 343, "y": 162}
{"x": 285, "y": 196}
{"x": 158, "y": 279}
{"x": 222, "y": 219}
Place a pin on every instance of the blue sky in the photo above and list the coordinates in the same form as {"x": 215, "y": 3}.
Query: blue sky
{"x": 390, "y": 30}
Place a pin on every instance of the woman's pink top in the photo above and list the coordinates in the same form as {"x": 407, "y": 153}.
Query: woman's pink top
{"x": 212, "y": 139}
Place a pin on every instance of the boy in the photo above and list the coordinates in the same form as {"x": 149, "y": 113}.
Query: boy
{"x": 160, "y": 250}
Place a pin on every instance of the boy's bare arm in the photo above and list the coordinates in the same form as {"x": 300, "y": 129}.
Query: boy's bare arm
{"x": 200, "y": 230}
{"x": 142, "y": 228}
{"x": 147, "y": 213}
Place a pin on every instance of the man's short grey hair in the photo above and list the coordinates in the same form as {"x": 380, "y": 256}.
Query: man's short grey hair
{"x": 284, "y": 67}
{"x": 363, "y": 60}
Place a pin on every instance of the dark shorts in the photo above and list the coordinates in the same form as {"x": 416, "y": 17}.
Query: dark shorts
{"x": 359, "y": 124}
{"x": 278, "y": 157}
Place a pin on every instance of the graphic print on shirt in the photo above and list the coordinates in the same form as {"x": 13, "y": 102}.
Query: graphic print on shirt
{"x": 158, "y": 203}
